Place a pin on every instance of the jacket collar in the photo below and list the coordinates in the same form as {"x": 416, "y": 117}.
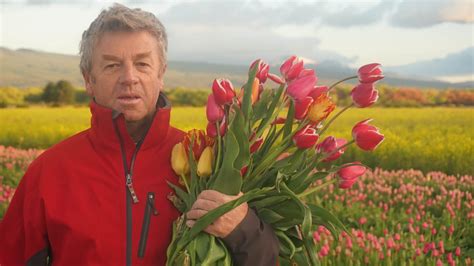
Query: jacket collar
{"x": 107, "y": 123}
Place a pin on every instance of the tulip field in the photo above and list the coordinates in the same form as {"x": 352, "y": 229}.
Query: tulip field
{"x": 394, "y": 215}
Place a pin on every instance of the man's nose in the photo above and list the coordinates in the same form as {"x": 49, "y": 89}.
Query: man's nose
{"x": 128, "y": 75}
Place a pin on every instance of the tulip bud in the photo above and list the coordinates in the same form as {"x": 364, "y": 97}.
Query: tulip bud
{"x": 329, "y": 146}
{"x": 204, "y": 166}
{"x": 321, "y": 108}
{"x": 211, "y": 129}
{"x": 348, "y": 175}
{"x": 302, "y": 107}
{"x": 276, "y": 79}
{"x": 179, "y": 160}
{"x": 256, "y": 145}
{"x": 199, "y": 142}
{"x": 262, "y": 70}
{"x": 370, "y": 73}
{"x": 291, "y": 68}
{"x": 364, "y": 95}
{"x": 306, "y": 137}
{"x": 223, "y": 91}
{"x": 366, "y": 136}
{"x": 213, "y": 111}
{"x": 302, "y": 86}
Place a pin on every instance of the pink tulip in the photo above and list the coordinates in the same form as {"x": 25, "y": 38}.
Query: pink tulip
{"x": 305, "y": 137}
{"x": 276, "y": 79}
{"x": 262, "y": 70}
{"x": 302, "y": 107}
{"x": 291, "y": 68}
{"x": 457, "y": 252}
{"x": 348, "y": 175}
{"x": 370, "y": 73}
{"x": 223, "y": 91}
{"x": 317, "y": 91}
{"x": 364, "y": 95}
{"x": 213, "y": 111}
{"x": 302, "y": 85}
{"x": 366, "y": 136}
{"x": 211, "y": 129}
{"x": 329, "y": 145}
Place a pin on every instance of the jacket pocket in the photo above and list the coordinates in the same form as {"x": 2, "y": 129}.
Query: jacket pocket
{"x": 149, "y": 210}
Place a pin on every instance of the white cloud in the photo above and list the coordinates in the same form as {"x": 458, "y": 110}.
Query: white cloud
{"x": 412, "y": 13}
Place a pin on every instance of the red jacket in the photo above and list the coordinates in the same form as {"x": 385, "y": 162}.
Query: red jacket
{"x": 73, "y": 202}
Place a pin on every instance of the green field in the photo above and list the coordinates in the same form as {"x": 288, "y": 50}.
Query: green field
{"x": 428, "y": 139}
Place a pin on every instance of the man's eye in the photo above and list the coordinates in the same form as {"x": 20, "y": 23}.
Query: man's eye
{"x": 112, "y": 66}
{"x": 142, "y": 64}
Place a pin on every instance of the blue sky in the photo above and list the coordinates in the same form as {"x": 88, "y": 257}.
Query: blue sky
{"x": 394, "y": 33}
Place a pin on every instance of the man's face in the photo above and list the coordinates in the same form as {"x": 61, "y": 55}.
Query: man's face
{"x": 125, "y": 74}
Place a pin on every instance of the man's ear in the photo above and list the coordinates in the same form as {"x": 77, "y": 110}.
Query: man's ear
{"x": 88, "y": 83}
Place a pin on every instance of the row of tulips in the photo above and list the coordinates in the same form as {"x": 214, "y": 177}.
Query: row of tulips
{"x": 266, "y": 143}
{"x": 393, "y": 217}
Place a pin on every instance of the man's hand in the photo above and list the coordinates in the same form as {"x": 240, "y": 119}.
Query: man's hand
{"x": 211, "y": 199}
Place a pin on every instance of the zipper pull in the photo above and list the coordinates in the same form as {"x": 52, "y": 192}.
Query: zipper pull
{"x": 130, "y": 189}
{"x": 151, "y": 201}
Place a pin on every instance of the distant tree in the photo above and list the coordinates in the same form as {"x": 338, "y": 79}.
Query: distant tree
{"x": 60, "y": 93}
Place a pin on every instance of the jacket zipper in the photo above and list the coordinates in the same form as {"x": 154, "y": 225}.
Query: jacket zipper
{"x": 149, "y": 210}
{"x": 130, "y": 194}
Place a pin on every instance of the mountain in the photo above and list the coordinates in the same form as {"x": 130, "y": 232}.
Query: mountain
{"x": 454, "y": 64}
{"x": 25, "y": 68}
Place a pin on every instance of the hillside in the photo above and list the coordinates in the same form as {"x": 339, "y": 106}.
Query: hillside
{"x": 25, "y": 68}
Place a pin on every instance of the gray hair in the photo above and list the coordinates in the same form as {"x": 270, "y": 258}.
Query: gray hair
{"x": 121, "y": 18}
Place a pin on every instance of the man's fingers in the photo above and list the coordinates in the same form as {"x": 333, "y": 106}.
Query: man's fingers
{"x": 195, "y": 214}
{"x": 205, "y": 204}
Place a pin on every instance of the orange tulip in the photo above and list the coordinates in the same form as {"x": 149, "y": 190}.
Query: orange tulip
{"x": 320, "y": 109}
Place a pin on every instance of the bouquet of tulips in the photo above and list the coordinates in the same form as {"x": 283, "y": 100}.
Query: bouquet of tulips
{"x": 266, "y": 143}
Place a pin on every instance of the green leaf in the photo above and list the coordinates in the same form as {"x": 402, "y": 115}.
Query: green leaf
{"x": 288, "y": 127}
{"x": 217, "y": 252}
{"x": 322, "y": 214}
{"x": 260, "y": 110}
{"x": 236, "y": 127}
{"x": 271, "y": 114}
{"x": 229, "y": 180}
{"x": 185, "y": 197}
{"x": 247, "y": 100}
{"x": 287, "y": 247}
{"x": 307, "y": 181}
{"x": 269, "y": 216}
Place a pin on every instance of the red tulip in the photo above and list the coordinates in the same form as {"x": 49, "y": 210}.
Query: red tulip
{"x": 302, "y": 86}
{"x": 223, "y": 91}
{"x": 262, "y": 70}
{"x": 370, "y": 73}
{"x": 329, "y": 146}
{"x": 317, "y": 91}
{"x": 243, "y": 170}
{"x": 213, "y": 111}
{"x": 211, "y": 129}
{"x": 279, "y": 120}
{"x": 366, "y": 136}
{"x": 276, "y": 78}
{"x": 364, "y": 94}
{"x": 256, "y": 145}
{"x": 305, "y": 137}
{"x": 291, "y": 68}
{"x": 200, "y": 141}
{"x": 348, "y": 175}
{"x": 302, "y": 107}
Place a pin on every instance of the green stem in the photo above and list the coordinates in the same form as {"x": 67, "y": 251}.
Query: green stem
{"x": 185, "y": 181}
{"x": 334, "y": 118}
{"x": 219, "y": 147}
{"x": 340, "y": 81}
{"x": 314, "y": 189}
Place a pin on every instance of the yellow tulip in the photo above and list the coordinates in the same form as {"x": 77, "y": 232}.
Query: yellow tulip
{"x": 179, "y": 160}
{"x": 204, "y": 167}
{"x": 320, "y": 109}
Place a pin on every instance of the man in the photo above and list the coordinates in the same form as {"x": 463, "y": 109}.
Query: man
{"x": 85, "y": 200}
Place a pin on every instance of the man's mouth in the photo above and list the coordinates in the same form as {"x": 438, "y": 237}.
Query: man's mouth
{"x": 128, "y": 99}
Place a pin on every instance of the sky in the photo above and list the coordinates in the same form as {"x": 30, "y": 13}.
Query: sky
{"x": 352, "y": 33}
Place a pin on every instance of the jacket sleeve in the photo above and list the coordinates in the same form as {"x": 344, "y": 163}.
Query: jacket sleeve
{"x": 253, "y": 242}
{"x": 22, "y": 229}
